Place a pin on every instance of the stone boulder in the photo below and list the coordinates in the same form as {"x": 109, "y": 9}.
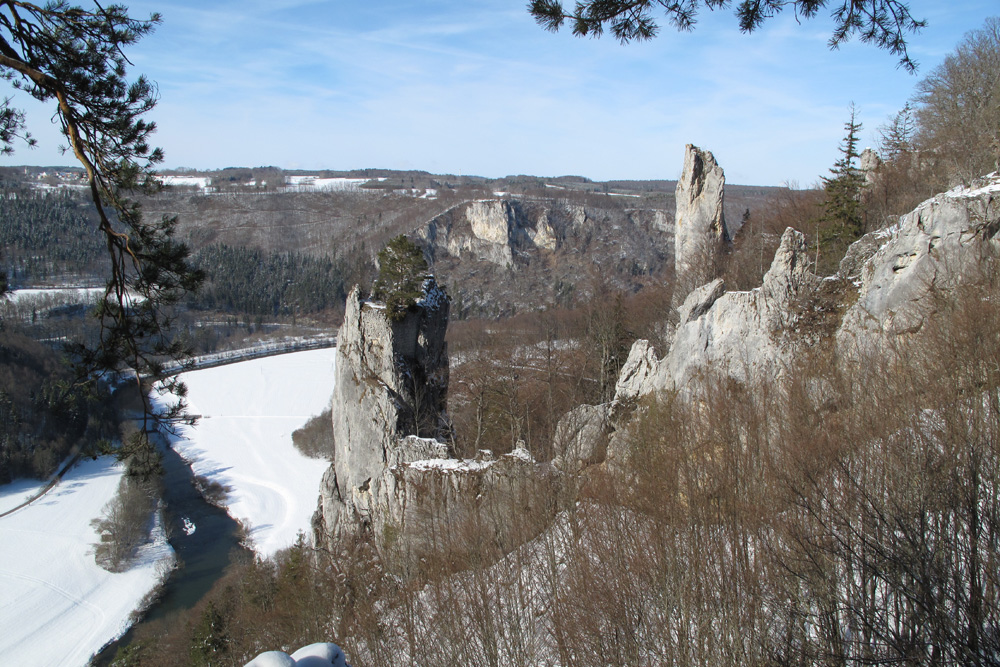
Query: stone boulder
{"x": 581, "y": 438}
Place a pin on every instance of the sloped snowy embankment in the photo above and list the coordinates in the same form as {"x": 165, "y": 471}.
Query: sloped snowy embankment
{"x": 57, "y": 607}
{"x": 243, "y": 439}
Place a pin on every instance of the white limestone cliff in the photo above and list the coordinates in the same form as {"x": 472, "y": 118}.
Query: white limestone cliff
{"x": 391, "y": 381}
{"x": 900, "y": 273}
{"x": 392, "y": 464}
{"x": 931, "y": 250}
{"x": 700, "y": 224}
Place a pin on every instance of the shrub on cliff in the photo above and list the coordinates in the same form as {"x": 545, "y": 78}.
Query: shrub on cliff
{"x": 401, "y": 275}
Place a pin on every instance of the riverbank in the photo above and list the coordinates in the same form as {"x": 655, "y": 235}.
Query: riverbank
{"x": 59, "y": 606}
{"x": 243, "y": 440}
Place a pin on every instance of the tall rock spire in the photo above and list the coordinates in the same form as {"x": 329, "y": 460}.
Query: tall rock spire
{"x": 700, "y": 235}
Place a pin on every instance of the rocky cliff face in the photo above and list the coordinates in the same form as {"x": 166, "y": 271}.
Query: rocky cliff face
{"x": 498, "y": 255}
{"x": 887, "y": 288}
{"x": 930, "y": 251}
{"x": 493, "y": 230}
{"x": 736, "y": 333}
{"x": 700, "y": 224}
{"x": 392, "y": 470}
{"x": 391, "y": 382}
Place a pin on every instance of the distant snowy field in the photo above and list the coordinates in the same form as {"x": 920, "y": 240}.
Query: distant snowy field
{"x": 317, "y": 184}
{"x": 57, "y": 607}
{"x": 243, "y": 439}
{"x": 201, "y": 182}
{"x": 59, "y": 295}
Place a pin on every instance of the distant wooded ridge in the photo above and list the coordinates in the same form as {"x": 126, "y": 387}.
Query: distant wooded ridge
{"x": 390, "y": 178}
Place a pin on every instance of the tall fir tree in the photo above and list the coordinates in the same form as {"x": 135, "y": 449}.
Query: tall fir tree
{"x": 842, "y": 210}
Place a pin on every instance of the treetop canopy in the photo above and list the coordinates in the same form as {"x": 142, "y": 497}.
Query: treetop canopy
{"x": 883, "y": 23}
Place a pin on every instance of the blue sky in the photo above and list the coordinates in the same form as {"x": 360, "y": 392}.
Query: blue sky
{"x": 478, "y": 88}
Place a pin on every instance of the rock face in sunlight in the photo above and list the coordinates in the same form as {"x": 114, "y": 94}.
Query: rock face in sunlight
{"x": 740, "y": 332}
{"x": 392, "y": 471}
{"x": 700, "y": 225}
{"x": 901, "y": 269}
{"x": 392, "y": 380}
{"x": 890, "y": 284}
{"x": 733, "y": 332}
{"x": 493, "y": 230}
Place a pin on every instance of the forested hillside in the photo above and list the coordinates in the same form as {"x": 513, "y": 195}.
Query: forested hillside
{"x": 49, "y": 237}
{"x": 44, "y": 415}
{"x": 265, "y": 285}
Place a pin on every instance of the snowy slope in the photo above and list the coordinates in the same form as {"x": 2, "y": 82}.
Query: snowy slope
{"x": 243, "y": 439}
{"x": 57, "y": 607}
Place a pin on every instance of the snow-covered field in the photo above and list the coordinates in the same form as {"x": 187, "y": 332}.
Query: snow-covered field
{"x": 56, "y": 295}
{"x": 317, "y": 184}
{"x": 243, "y": 439}
{"x": 57, "y": 607}
{"x": 200, "y": 182}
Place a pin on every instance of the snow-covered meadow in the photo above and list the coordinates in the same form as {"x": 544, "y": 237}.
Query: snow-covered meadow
{"x": 199, "y": 182}
{"x": 56, "y": 295}
{"x": 57, "y": 607}
{"x": 243, "y": 439}
{"x": 318, "y": 184}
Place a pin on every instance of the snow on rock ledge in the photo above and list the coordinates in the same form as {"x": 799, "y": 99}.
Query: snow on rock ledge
{"x": 313, "y": 655}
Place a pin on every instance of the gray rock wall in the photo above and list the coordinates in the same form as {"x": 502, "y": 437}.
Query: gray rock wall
{"x": 391, "y": 382}
{"x": 735, "y": 333}
{"x": 700, "y": 224}
{"x": 393, "y": 474}
{"x": 931, "y": 250}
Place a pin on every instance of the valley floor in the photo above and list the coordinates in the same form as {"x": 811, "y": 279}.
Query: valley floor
{"x": 243, "y": 439}
{"x": 57, "y": 605}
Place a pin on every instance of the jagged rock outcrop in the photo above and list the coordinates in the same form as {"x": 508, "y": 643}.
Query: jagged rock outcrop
{"x": 731, "y": 332}
{"x": 931, "y": 250}
{"x": 869, "y": 164}
{"x": 391, "y": 381}
{"x": 738, "y": 333}
{"x": 392, "y": 469}
{"x": 700, "y": 224}
{"x": 901, "y": 275}
{"x": 492, "y": 230}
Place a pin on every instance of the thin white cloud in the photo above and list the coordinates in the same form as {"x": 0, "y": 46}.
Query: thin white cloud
{"x": 443, "y": 85}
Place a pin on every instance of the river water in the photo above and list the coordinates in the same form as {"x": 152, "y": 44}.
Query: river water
{"x": 203, "y": 552}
